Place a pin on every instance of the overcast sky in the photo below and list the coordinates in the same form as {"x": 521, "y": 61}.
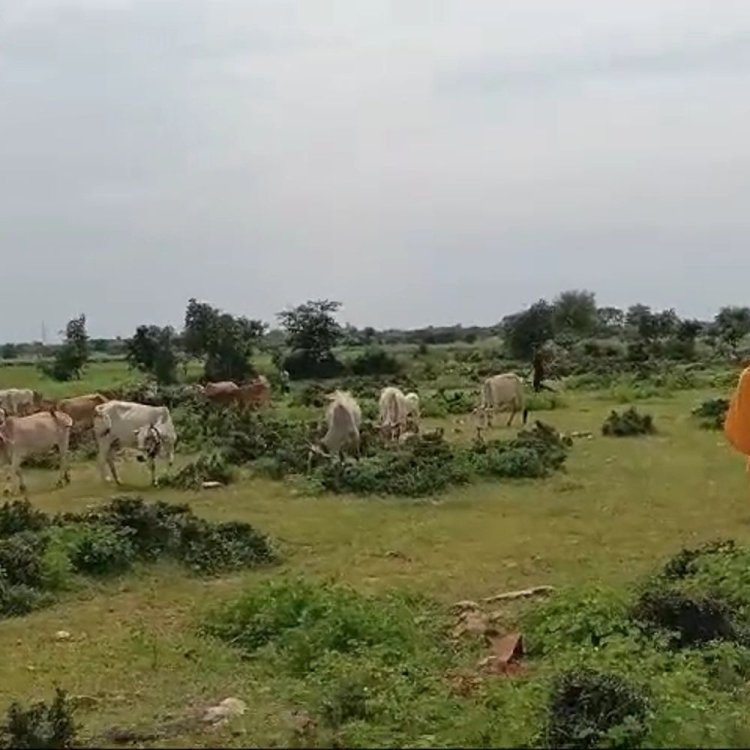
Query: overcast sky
{"x": 421, "y": 161}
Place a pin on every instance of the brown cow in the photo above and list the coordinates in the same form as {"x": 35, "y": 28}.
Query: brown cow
{"x": 81, "y": 409}
{"x": 21, "y": 437}
{"x": 256, "y": 393}
{"x": 222, "y": 393}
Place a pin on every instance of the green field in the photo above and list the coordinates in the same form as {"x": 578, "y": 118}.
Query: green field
{"x": 621, "y": 507}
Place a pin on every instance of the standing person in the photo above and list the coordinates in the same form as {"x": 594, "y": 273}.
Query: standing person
{"x": 737, "y": 421}
{"x": 284, "y": 377}
{"x": 538, "y": 363}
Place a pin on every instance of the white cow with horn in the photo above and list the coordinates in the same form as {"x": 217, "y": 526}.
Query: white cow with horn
{"x": 343, "y": 421}
{"x": 123, "y": 424}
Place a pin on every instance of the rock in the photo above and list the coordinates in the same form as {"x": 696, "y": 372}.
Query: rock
{"x": 211, "y": 485}
{"x": 472, "y": 621}
{"x": 62, "y": 635}
{"x": 229, "y": 708}
{"x": 464, "y": 605}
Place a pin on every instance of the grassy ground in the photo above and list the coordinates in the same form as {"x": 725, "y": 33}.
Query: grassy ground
{"x": 622, "y": 505}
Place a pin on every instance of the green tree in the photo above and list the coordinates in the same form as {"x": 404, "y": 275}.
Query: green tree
{"x": 312, "y": 331}
{"x": 732, "y": 324}
{"x": 223, "y": 341}
{"x": 575, "y": 312}
{"x": 10, "y": 351}
{"x": 153, "y": 350}
{"x": 610, "y": 319}
{"x": 72, "y": 356}
{"x": 526, "y": 331}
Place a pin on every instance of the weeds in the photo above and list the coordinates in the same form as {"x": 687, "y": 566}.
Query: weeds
{"x": 712, "y": 413}
{"x": 40, "y": 725}
{"x": 628, "y": 424}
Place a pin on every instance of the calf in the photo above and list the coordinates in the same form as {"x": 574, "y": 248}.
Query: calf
{"x": 254, "y": 394}
{"x": 122, "y": 424}
{"x": 21, "y": 437}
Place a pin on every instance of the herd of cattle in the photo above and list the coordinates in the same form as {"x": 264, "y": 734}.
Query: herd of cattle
{"x": 32, "y": 425}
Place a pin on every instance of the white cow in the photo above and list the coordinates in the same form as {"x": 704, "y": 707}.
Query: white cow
{"x": 501, "y": 391}
{"x": 123, "y": 424}
{"x": 33, "y": 435}
{"x": 392, "y": 411}
{"x": 343, "y": 420}
{"x": 18, "y": 402}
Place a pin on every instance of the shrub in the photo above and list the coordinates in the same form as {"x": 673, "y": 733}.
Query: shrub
{"x": 97, "y": 549}
{"x": 21, "y": 559}
{"x": 375, "y": 361}
{"x": 20, "y": 515}
{"x": 685, "y": 563}
{"x": 303, "y": 622}
{"x": 40, "y": 725}
{"x": 20, "y": 599}
{"x": 302, "y": 364}
{"x": 425, "y": 466}
{"x": 586, "y": 706}
{"x": 712, "y": 413}
{"x": 214, "y": 548}
{"x": 211, "y": 466}
{"x": 687, "y": 620}
{"x": 627, "y": 424}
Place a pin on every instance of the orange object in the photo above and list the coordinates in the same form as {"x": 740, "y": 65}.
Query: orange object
{"x": 737, "y": 421}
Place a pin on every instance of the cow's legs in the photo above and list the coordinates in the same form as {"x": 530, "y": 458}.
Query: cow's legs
{"x": 152, "y": 469}
{"x": 512, "y": 414}
{"x": 62, "y": 446}
{"x": 16, "y": 470}
{"x": 111, "y": 464}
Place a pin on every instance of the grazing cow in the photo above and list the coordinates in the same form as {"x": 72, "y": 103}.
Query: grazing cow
{"x": 222, "y": 393}
{"x": 122, "y": 424}
{"x": 343, "y": 422}
{"x": 35, "y": 434}
{"x": 81, "y": 409}
{"x": 393, "y": 409}
{"x": 255, "y": 393}
{"x": 18, "y": 402}
{"x": 501, "y": 391}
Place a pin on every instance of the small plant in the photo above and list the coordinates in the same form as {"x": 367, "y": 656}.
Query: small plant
{"x": 208, "y": 467}
{"x": 627, "y": 424}
{"x": 40, "y": 725}
{"x": 21, "y": 559}
{"x": 712, "y": 413}
{"x": 587, "y": 706}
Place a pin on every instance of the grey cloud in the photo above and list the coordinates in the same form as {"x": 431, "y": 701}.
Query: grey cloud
{"x": 423, "y": 162}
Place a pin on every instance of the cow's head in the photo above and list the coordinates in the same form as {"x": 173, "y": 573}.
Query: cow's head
{"x": 315, "y": 450}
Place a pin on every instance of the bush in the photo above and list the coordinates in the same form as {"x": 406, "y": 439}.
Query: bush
{"x": 211, "y": 466}
{"x": 628, "y": 423}
{"x": 302, "y": 364}
{"x": 21, "y": 559}
{"x": 20, "y": 515}
{"x": 712, "y": 413}
{"x": 687, "y": 620}
{"x": 303, "y": 622}
{"x": 40, "y": 725}
{"x": 215, "y": 548}
{"x": 97, "y": 549}
{"x": 18, "y": 600}
{"x": 445, "y": 402}
{"x": 586, "y": 706}
{"x": 375, "y": 362}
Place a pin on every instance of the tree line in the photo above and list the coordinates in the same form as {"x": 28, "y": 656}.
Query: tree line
{"x": 303, "y": 344}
